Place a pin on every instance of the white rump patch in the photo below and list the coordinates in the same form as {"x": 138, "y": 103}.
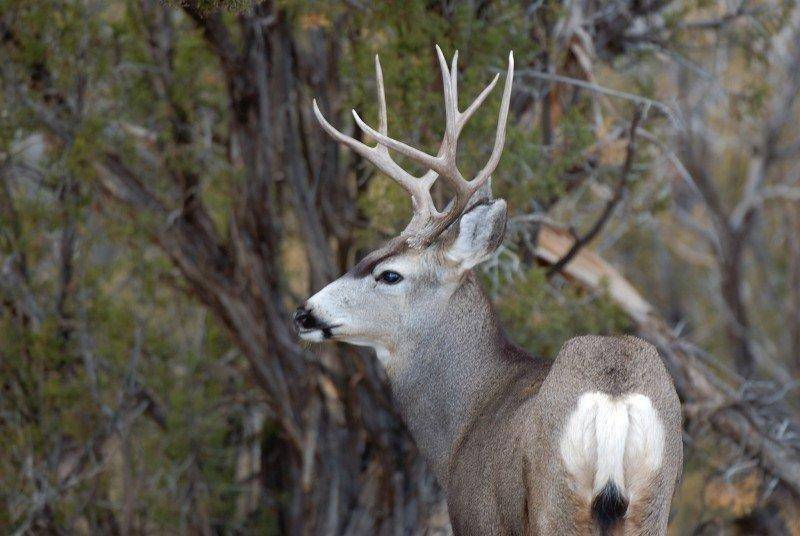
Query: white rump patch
{"x": 618, "y": 439}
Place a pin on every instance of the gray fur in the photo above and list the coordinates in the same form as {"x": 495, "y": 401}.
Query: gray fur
{"x": 487, "y": 415}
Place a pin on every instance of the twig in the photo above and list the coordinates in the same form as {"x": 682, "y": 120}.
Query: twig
{"x": 612, "y": 203}
{"x": 538, "y": 218}
{"x": 643, "y": 101}
{"x": 715, "y": 24}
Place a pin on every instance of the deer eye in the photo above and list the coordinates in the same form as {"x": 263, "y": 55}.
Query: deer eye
{"x": 389, "y": 277}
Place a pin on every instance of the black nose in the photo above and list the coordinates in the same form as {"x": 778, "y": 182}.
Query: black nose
{"x": 303, "y": 318}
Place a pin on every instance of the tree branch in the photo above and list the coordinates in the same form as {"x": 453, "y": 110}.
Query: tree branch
{"x": 612, "y": 203}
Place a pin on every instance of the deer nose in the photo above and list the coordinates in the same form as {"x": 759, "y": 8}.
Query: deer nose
{"x": 303, "y": 318}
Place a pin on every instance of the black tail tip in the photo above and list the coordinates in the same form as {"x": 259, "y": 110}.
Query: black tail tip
{"x": 609, "y": 506}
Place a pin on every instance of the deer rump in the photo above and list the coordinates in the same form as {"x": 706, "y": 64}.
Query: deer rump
{"x": 611, "y": 447}
{"x": 613, "y": 431}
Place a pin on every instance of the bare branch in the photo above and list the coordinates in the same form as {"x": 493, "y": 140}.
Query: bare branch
{"x": 612, "y": 203}
{"x": 666, "y": 110}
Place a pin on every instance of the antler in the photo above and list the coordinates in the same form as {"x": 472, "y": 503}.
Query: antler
{"x": 428, "y": 222}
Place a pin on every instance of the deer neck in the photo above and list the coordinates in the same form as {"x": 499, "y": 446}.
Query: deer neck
{"x": 445, "y": 375}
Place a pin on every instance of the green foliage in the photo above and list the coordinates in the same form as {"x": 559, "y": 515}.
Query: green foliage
{"x": 208, "y": 6}
{"x": 138, "y": 330}
{"x": 541, "y": 319}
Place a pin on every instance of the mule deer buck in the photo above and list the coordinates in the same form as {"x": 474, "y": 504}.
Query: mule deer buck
{"x": 589, "y": 443}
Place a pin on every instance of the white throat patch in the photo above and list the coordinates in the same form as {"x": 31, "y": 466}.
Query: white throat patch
{"x": 384, "y": 356}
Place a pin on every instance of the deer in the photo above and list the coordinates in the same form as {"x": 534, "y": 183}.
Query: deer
{"x": 587, "y": 443}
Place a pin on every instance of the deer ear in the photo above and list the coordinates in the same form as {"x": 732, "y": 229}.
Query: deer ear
{"x": 480, "y": 232}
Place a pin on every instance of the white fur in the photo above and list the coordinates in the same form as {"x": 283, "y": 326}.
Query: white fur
{"x": 312, "y": 335}
{"x": 618, "y": 439}
{"x": 645, "y": 444}
{"x": 381, "y": 352}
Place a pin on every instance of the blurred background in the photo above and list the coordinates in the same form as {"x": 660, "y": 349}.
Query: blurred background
{"x": 167, "y": 199}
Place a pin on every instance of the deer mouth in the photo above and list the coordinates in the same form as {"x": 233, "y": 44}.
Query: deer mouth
{"x": 318, "y": 333}
{"x": 310, "y": 327}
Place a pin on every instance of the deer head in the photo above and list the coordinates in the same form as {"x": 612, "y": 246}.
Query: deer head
{"x": 402, "y": 287}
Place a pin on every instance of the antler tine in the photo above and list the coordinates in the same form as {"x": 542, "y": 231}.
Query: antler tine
{"x": 454, "y": 76}
{"x": 462, "y": 120}
{"x": 450, "y": 108}
{"x": 435, "y": 164}
{"x": 430, "y": 176}
{"x": 431, "y": 162}
{"x": 500, "y": 136}
{"x": 379, "y": 157}
{"x": 382, "y": 117}
{"x": 353, "y": 143}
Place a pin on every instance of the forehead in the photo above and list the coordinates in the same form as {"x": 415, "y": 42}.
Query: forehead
{"x": 393, "y": 248}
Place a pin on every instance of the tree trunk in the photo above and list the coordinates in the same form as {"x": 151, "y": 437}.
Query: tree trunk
{"x": 341, "y": 462}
